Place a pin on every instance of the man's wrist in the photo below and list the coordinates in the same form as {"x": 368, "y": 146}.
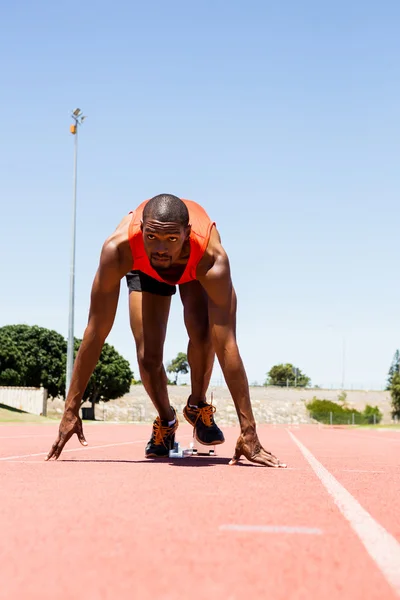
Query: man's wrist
{"x": 247, "y": 426}
{"x": 71, "y": 410}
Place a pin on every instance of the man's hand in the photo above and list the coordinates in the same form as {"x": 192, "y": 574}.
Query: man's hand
{"x": 70, "y": 424}
{"x": 249, "y": 445}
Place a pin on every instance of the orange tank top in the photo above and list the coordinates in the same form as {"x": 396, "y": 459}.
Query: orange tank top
{"x": 199, "y": 237}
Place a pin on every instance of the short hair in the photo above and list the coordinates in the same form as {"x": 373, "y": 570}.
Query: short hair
{"x": 167, "y": 208}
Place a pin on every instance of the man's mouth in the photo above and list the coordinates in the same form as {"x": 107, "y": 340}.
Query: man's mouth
{"x": 161, "y": 259}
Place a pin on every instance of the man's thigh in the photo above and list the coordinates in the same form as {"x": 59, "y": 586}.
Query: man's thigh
{"x": 195, "y": 308}
{"x": 148, "y": 311}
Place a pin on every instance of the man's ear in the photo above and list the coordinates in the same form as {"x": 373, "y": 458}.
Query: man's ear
{"x": 141, "y": 225}
{"x": 188, "y": 232}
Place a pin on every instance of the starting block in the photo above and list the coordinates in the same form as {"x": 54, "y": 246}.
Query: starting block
{"x": 200, "y": 449}
{"x": 179, "y": 452}
{"x": 195, "y": 449}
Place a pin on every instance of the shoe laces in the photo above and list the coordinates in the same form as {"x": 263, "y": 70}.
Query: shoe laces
{"x": 206, "y": 414}
{"x": 160, "y": 432}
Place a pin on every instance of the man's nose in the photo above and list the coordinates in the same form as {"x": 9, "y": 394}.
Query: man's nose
{"x": 161, "y": 247}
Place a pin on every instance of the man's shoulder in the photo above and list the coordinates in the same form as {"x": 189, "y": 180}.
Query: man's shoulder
{"x": 116, "y": 248}
{"x": 215, "y": 256}
{"x": 140, "y": 207}
{"x": 120, "y": 233}
{"x": 195, "y": 208}
{"x": 192, "y": 203}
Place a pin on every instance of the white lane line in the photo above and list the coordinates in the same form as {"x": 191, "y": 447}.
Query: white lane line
{"x": 382, "y": 547}
{"x": 74, "y": 450}
{"x": 271, "y": 529}
{"x": 81, "y": 449}
{"x": 17, "y": 437}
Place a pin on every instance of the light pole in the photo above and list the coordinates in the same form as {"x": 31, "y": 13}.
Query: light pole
{"x": 78, "y": 118}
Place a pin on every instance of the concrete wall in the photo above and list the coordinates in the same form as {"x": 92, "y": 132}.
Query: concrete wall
{"x": 31, "y": 400}
{"x": 270, "y": 404}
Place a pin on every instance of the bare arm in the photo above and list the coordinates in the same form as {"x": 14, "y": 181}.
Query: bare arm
{"x": 103, "y": 307}
{"x": 222, "y": 314}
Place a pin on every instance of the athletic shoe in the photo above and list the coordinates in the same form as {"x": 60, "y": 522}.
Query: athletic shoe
{"x": 162, "y": 438}
{"x": 201, "y": 418}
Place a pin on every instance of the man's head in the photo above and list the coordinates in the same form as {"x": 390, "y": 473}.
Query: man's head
{"x": 165, "y": 228}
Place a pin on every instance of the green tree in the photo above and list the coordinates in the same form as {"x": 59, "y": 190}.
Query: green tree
{"x": 395, "y": 393}
{"x": 178, "y": 365}
{"x": 111, "y": 378}
{"x": 10, "y": 362}
{"x": 33, "y": 356}
{"x": 286, "y": 374}
{"x": 394, "y": 368}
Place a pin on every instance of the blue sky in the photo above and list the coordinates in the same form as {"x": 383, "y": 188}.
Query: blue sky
{"x": 281, "y": 119}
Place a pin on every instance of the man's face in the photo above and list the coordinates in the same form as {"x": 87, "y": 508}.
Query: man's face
{"x": 163, "y": 242}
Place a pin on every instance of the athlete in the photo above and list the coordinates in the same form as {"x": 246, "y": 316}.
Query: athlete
{"x": 168, "y": 242}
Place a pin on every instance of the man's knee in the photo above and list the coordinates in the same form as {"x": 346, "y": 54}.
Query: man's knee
{"x": 200, "y": 335}
{"x": 149, "y": 360}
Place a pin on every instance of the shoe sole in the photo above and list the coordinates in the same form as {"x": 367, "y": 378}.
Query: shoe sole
{"x": 156, "y": 456}
{"x": 217, "y": 443}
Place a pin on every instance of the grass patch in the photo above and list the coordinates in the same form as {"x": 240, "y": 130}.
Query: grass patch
{"x": 13, "y": 415}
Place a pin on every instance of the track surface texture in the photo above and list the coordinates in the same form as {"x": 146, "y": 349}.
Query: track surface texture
{"x": 104, "y": 523}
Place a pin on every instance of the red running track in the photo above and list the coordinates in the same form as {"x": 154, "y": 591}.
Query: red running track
{"x": 105, "y": 523}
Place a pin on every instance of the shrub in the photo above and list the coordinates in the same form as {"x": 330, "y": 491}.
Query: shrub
{"x": 369, "y": 413}
{"x": 321, "y": 410}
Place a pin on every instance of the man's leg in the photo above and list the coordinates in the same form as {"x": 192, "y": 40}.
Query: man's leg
{"x": 201, "y": 359}
{"x": 200, "y": 350}
{"x": 149, "y": 305}
{"x": 148, "y": 318}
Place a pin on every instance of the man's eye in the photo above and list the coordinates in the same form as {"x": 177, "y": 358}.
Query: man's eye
{"x": 150, "y": 236}
{"x": 173, "y": 239}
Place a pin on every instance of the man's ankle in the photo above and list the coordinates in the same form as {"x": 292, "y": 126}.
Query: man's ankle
{"x": 168, "y": 415}
{"x": 194, "y": 400}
